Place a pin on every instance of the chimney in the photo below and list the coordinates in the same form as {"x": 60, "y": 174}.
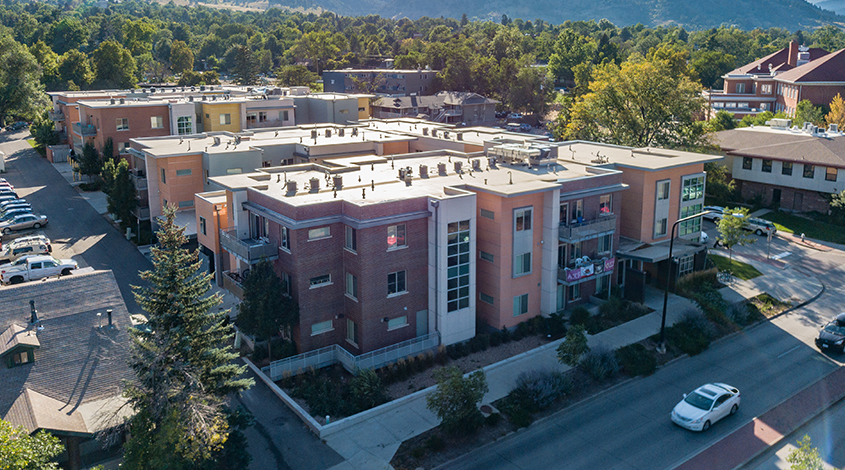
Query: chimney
{"x": 793, "y": 54}
{"x": 33, "y": 314}
{"x": 108, "y": 312}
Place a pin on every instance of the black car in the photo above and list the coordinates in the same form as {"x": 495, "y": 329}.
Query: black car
{"x": 832, "y": 336}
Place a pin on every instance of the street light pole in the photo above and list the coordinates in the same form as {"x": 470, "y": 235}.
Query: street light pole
{"x": 661, "y": 346}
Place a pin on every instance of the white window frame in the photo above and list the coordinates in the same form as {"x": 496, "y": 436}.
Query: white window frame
{"x": 321, "y": 327}
{"x": 520, "y": 305}
{"x": 351, "y": 286}
{"x": 661, "y": 231}
{"x": 225, "y": 119}
{"x": 321, "y": 281}
{"x": 396, "y": 283}
{"x": 519, "y": 262}
{"x": 320, "y": 233}
{"x": 395, "y": 230}
{"x": 524, "y": 217}
{"x": 122, "y": 124}
{"x": 156, "y": 122}
{"x": 396, "y": 323}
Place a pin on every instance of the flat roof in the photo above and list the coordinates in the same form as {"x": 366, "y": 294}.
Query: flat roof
{"x": 645, "y": 158}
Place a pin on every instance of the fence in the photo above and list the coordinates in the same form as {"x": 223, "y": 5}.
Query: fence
{"x": 335, "y": 354}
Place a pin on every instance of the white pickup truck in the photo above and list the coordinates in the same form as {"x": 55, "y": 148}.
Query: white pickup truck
{"x": 30, "y": 268}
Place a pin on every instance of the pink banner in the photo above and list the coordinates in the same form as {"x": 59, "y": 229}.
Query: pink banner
{"x": 609, "y": 264}
{"x": 599, "y": 267}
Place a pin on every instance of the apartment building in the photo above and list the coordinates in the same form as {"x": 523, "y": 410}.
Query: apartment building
{"x": 382, "y": 82}
{"x": 447, "y": 107}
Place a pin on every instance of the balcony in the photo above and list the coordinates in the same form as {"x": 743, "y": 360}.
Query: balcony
{"x": 56, "y": 115}
{"x": 84, "y": 130}
{"x": 248, "y": 250}
{"x": 454, "y": 112}
{"x": 141, "y": 213}
{"x": 586, "y": 270}
{"x": 587, "y": 229}
{"x": 139, "y": 179}
{"x": 232, "y": 283}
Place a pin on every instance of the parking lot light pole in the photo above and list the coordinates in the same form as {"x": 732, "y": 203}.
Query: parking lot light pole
{"x": 661, "y": 346}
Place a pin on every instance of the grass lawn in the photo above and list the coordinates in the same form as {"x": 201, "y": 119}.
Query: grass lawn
{"x": 40, "y": 150}
{"x": 738, "y": 268}
{"x": 811, "y": 228}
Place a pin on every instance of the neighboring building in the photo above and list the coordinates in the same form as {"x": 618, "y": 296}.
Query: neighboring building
{"x": 779, "y": 81}
{"x": 331, "y": 108}
{"x": 786, "y": 167}
{"x": 64, "y": 352}
{"x": 448, "y": 107}
{"x": 382, "y": 82}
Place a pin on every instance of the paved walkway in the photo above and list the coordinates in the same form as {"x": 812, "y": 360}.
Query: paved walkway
{"x": 372, "y": 444}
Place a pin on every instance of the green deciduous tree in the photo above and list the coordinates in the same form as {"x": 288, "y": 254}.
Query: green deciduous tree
{"x": 723, "y": 120}
{"x": 806, "y": 112}
{"x": 21, "y": 91}
{"x": 21, "y": 451}
{"x": 805, "y": 457}
{"x": 455, "y": 401}
{"x": 837, "y": 112}
{"x": 115, "y": 66}
{"x": 569, "y": 50}
{"x": 121, "y": 197}
{"x": 573, "y": 346}
{"x": 718, "y": 185}
{"x": 68, "y": 34}
{"x": 296, "y": 75}
{"x": 837, "y": 204}
{"x": 732, "y": 229}
{"x": 181, "y": 57}
{"x": 266, "y": 310}
{"x": 43, "y": 131}
{"x": 74, "y": 69}
{"x": 183, "y": 365}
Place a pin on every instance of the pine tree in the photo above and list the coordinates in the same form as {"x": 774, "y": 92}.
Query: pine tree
{"x": 184, "y": 367}
{"x": 245, "y": 71}
{"x": 121, "y": 192}
{"x": 90, "y": 163}
{"x": 266, "y": 310}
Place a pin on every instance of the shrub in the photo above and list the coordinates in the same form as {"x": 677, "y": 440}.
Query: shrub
{"x": 696, "y": 282}
{"x": 442, "y": 357}
{"x": 600, "y": 363}
{"x": 418, "y": 453}
{"x": 518, "y": 334}
{"x": 636, "y": 310}
{"x": 517, "y": 413}
{"x": 475, "y": 344}
{"x": 493, "y": 419}
{"x": 538, "y": 325}
{"x": 556, "y": 326}
{"x": 613, "y": 308}
{"x": 537, "y": 389}
{"x": 570, "y": 350}
{"x": 692, "y": 334}
{"x": 635, "y": 359}
{"x": 739, "y": 313}
{"x": 506, "y": 335}
{"x": 525, "y": 328}
{"x": 579, "y": 316}
{"x": 495, "y": 338}
{"x": 435, "y": 444}
{"x": 367, "y": 390}
{"x": 455, "y": 400}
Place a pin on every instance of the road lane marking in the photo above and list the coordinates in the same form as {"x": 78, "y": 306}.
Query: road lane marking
{"x": 793, "y": 349}
{"x": 781, "y": 255}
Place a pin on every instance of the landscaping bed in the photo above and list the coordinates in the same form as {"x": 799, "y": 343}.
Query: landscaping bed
{"x": 739, "y": 269}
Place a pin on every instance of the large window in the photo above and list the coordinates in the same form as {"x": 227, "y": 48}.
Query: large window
{"x": 395, "y": 236}
{"x": 660, "y": 227}
{"x": 520, "y": 305}
{"x": 156, "y": 122}
{"x": 690, "y": 226}
{"x": 574, "y": 252}
{"x": 457, "y": 278}
{"x": 351, "y": 285}
{"x": 523, "y": 219}
{"x": 396, "y": 282}
{"x": 321, "y": 280}
{"x": 284, "y": 238}
{"x": 351, "y": 331}
{"x": 605, "y": 243}
{"x": 809, "y": 171}
{"x": 225, "y": 119}
{"x": 122, "y": 124}
{"x": 693, "y": 189}
{"x": 747, "y": 162}
{"x": 575, "y": 292}
{"x": 767, "y": 166}
{"x": 322, "y": 327}
{"x": 830, "y": 174}
{"x": 396, "y": 323}
{"x": 184, "y": 125}
{"x": 605, "y": 204}
{"x": 786, "y": 169}
{"x": 351, "y": 242}
{"x": 522, "y": 264}
{"x": 602, "y": 284}
{"x": 685, "y": 265}
{"x": 319, "y": 233}
{"x": 663, "y": 190}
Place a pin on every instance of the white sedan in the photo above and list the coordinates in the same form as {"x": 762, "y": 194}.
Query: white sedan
{"x": 706, "y": 405}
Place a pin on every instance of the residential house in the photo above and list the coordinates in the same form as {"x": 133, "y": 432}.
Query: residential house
{"x": 382, "y": 82}
{"x": 447, "y": 107}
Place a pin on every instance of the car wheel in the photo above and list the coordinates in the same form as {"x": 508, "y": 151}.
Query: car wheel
{"x": 66, "y": 272}
{"x": 7, "y": 230}
{"x": 759, "y": 232}
{"x": 734, "y": 408}
{"x": 706, "y": 426}
{"x": 36, "y": 226}
{"x": 16, "y": 280}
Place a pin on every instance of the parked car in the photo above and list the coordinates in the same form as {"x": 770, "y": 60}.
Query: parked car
{"x": 514, "y": 116}
{"x": 715, "y": 215}
{"x": 28, "y": 238}
{"x": 706, "y": 405}
{"x": 10, "y": 214}
{"x": 4, "y": 184}
{"x": 760, "y": 226}
{"x": 22, "y": 222}
{"x": 501, "y": 114}
{"x": 16, "y": 250}
{"x": 524, "y": 127}
{"x": 832, "y": 335}
{"x": 15, "y": 205}
{"x": 9, "y": 202}
{"x": 16, "y": 126}
{"x": 8, "y": 192}
{"x": 36, "y": 267}
{"x": 8, "y": 197}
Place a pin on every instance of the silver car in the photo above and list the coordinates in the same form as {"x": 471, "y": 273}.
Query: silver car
{"x": 22, "y": 222}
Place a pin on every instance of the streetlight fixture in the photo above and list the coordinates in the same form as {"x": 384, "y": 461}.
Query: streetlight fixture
{"x": 661, "y": 346}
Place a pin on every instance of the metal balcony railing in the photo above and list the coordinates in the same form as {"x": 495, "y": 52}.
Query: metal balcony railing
{"x": 84, "y": 130}
{"x": 248, "y": 250}
{"x": 56, "y": 115}
{"x": 142, "y": 213}
{"x": 587, "y": 229}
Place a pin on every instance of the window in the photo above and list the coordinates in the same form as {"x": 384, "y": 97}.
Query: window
{"x": 457, "y": 276}
{"x": 575, "y": 292}
{"x": 184, "y": 125}
{"x": 809, "y": 171}
{"x": 396, "y": 282}
{"x": 361, "y": 110}
{"x": 786, "y": 169}
{"x": 163, "y": 176}
{"x": 564, "y": 214}
{"x": 523, "y": 219}
{"x": 602, "y": 283}
{"x": 20, "y": 358}
{"x": 578, "y": 210}
{"x": 344, "y": 111}
{"x": 319, "y": 233}
{"x": 321, "y": 280}
{"x": 122, "y": 147}
{"x": 397, "y": 323}
{"x": 262, "y": 116}
{"x": 660, "y": 227}
{"x": 692, "y": 226}
{"x": 486, "y": 256}
{"x": 122, "y": 124}
{"x": 767, "y": 166}
{"x": 202, "y": 225}
{"x": 283, "y": 116}
{"x": 605, "y": 205}
{"x": 251, "y": 118}
{"x": 351, "y": 285}
{"x": 830, "y": 174}
{"x": 395, "y": 236}
{"x": 605, "y": 243}
{"x": 351, "y": 242}
{"x": 183, "y": 204}
{"x": 183, "y": 172}
{"x": 522, "y": 264}
{"x": 740, "y": 87}
{"x": 663, "y": 190}
{"x": 574, "y": 252}
{"x": 766, "y": 89}
{"x": 685, "y": 265}
{"x": 746, "y": 163}
{"x": 520, "y": 305}
{"x": 284, "y": 238}
{"x": 351, "y": 332}
{"x": 488, "y": 214}
{"x": 322, "y": 327}
{"x": 286, "y": 283}
{"x": 225, "y": 119}
{"x": 488, "y": 299}
{"x": 693, "y": 189}
{"x": 157, "y": 122}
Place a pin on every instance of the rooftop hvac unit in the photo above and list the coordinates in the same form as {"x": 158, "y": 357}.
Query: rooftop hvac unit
{"x": 434, "y": 132}
{"x": 425, "y": 131}
{"x": 216, "y": 140}
{"x": 122, "y": 101}
{"x": 337, "y": 182}
{"x": 354, "y": 131}
{"x": 833, "y": 128}
{"x": 408, "y": 178}
{"x": 202, "y": 87}
{"x": 491, "y": 162}
{"x": 328, "y": 133}
{"x": 341, "y": 132}
{"x": 111, "y": 101}
{"x": 476, "y": 165}
{"x": 445, "y": 134}
{"x": 458, "y": 166}
{"x": 441, "y": 168}
{"x": 460, "y": 136}
{"x": 401, "y": 173}
{"x": 423, "y": 171}
{"x": 314, "y": 184}
{"x": 314, "y": 134}
{"x": 291, "y": 187}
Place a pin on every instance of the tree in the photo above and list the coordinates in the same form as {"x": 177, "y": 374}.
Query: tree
{"x": 837, "y": 112}
{"x": 806, "y": 112}
{"x": 43, "y": 131}
{"x": 108, "y": 149}
{"x": 74, "y": 68}
{"x": 805, "y": 457}
{"x": 266, "y": 310}
{"x": 21, "y": 451}
{"x": 183, "y": 365}
{"x": 121, "y": 197}
{"x": 21, "y": 91}
{"x": 181, "y": 57}
{"x": 718, "y": 185}
{"x": 569, "y": 50}
{"x": 89, "y": 163}
{"x": 115, "y": 66}
{"x": 68, "y": 34}
{"x": 573, "y": 346}
{"x": 837, "y": 204}
{"x": 710, "y": 66}
{"x": 455, "y": 401}
{"x": 732, "y": 229}
{"x": 245, "y": 71}
{"x": 296, "y": 75}
{"x": 721, "y": 121}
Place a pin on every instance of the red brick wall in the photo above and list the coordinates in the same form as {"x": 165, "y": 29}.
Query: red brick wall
{"x": 808, "y": 201}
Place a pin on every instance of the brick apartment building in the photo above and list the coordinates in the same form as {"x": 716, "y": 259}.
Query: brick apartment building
{"x": 779, "y": 81}
{"x": 384, "y": 82}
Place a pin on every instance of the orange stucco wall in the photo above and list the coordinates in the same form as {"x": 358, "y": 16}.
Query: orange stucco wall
{"x": 215, "y": 220}
{"x": 395, "y": 148}
{"x": 179, "y": 188}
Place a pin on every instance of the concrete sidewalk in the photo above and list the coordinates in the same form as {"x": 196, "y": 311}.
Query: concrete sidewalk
{"x": 779, "y": 280}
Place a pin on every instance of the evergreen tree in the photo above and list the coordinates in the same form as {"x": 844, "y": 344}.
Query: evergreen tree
{"x": 266, "y": 310}
{"x": 90, "y": 163}
{"x": 183, "y": 365}
{"x": 245, "y": 71}
{"x": 121, "y": 193}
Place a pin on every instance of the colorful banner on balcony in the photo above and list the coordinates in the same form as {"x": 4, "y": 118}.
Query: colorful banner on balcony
{"x": 598, "y": 267}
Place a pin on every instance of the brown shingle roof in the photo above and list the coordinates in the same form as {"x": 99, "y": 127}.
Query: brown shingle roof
{"x": 78, "y": 362}
{"x": 830, "y": 68}
{"x": 791, "y": 147}
{"x": 17, "y": 335}
{"x": 778, "y": 60}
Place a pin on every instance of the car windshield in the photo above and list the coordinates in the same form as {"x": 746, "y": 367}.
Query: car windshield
{"x": 699, "y": 401}
{"x": 833, "y": 327}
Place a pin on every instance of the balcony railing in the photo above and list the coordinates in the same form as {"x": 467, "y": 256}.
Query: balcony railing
{"x": 141, "y": 213}
{"x": 56, "y": 115}
{"x": 248, "y": 250}
{"x": 587, "y": 229}
{"x": 232, "y": 283}
{"x": 84, "y": 130}
{"x": 139, "y": 180}
{"x": 586, "y": 270}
